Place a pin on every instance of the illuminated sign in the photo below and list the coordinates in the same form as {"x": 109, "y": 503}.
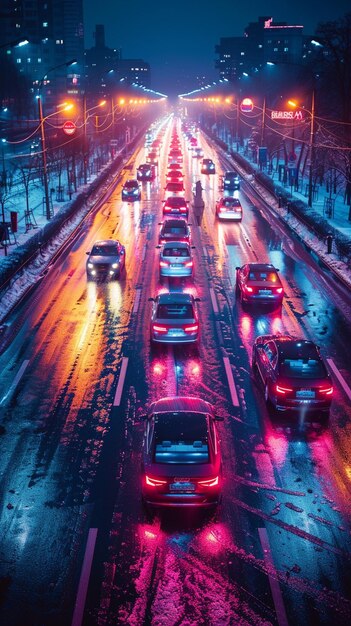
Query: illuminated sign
{"x": 69, "y": 128}
{"x": 246, "y": 105}
{"x": 287, "y": 115}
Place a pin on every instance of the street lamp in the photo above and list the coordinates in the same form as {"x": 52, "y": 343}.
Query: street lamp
{"x": 42, "y": 119}
{"x": 42, "y": 133}
{"x": 85, "y": 122}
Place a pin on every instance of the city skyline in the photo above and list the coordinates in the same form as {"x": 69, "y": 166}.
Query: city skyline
{"x": 179, "y": 50}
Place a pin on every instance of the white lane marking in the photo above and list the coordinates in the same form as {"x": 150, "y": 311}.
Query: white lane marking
{"x": 84, "y": 578}
{"x": 137, "y": 300}
{"x": 274, "y": 585}
{"x": 122, "y": 376}
{"x": 231, "y": 383}
{"x": 340, "y": 378}
{"x": 144, "y": 252}
{"x": 214, "y": 301}
{"x": 16, "y": 380}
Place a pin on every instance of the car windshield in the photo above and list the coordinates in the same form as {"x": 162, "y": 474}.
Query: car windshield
{"x": 175, "y": 311}
{"x": 179, "y": 252}
{"x": 131, "y": 184}
{"x": 100, "y": 250}
{"x": 301, "y": 361}
{"x": 263, "y": 275}
{"x": 181, "y": 438}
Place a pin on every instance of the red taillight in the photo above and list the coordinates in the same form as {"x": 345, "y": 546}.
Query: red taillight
{"x": 183, "y": 209}
{"x": 164, "y": 263}
{"x": 159, "y": 329}
{"x": 282, "y": 390}
{"x": 279, "y": 290}
{"x": 153, "y": 482}
{"x": 212, "y": 482}
{"x": 191, "y": 329}
{"x": 249, "y": 289}
{"x": 189, "y": 264}
{"x": 328, "y": 391}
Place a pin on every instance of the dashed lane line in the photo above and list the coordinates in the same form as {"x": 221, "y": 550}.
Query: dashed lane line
{"x": 84, "y": 578}
{"x": 122, "y": 375}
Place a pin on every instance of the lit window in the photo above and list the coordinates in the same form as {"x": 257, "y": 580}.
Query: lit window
{"x": 45, "y": 24}
{"x": 39, "y": 60}
{"x": 29, "y": 60}
{"x": 18, "y": 60}
{"x": 260, "y": 45}
{"x": 286, "y": 49}
{"x": 242, "y": 54}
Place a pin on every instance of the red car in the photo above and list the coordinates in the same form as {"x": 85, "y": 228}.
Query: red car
{"x": 176, "y": 205}
{"x": 259, "y": 283}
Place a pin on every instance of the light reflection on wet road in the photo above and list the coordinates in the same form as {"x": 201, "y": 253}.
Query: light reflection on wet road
{"x": 72, "y": 459}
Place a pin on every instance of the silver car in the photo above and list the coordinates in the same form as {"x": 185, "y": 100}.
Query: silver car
{"x": 106, "y": 260}
{"x": 174, "y": 318}
{"x": 176, "y": 259}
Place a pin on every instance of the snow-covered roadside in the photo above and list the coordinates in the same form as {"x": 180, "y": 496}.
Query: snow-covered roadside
{"x": 316, "y": 244}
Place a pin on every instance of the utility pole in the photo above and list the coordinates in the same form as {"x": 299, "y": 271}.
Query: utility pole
{"x": 44, "y": 159}
{"x": 310, "y": 178}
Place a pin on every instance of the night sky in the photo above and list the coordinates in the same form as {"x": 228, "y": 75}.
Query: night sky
{"x": 178, "y": 37}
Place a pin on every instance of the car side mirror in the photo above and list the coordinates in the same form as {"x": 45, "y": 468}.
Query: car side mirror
{"x": 197, "y": 299}
{"x": 87, "y": 253}
{"x": 160, "y": 223}
{"x": 151, "y": 299}
{"x": 193, "y": 247}
{"x": 219, "y": 418}
{"x": 158, "y": 246}
{"x": 237, "y": 267}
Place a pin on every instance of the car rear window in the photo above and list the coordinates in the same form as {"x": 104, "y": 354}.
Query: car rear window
{"x": 180, "y": 252}
{"x": 175, "y": 230}
{"x": 181, "y": 438}
{"x": 270, "y": 277}
{"x": 175, "y": 311}
{"x": 299, "y": 368}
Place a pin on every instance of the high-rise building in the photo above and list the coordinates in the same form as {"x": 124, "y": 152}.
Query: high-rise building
{"x": 262, "y": 41}
{"x": 54, "y": 30}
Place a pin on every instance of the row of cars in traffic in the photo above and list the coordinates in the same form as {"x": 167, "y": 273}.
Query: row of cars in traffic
{"x": 181, "y": 464}
{"x": 181, "y": 455}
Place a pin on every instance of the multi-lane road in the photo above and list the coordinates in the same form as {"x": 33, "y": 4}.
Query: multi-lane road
{"x": 76, "y": 546}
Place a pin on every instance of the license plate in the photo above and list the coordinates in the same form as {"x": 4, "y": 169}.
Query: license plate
{"x": 176, "y": 265}
{"x": 305, "y": 393}
{"x": 182, "y": 487}
{"x": 265, "y": 292}
{"x": 175, "y": 332}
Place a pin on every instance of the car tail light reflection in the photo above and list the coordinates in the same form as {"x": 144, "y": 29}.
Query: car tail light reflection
{"x": 279, "y": 290}
{"x": 164, "y": 263}
{"x": 160, "y": 329}
{"x": 212, "y": 482}
{"x": 189, "y": 264}
{"x": 153, "y": 482}
{"x": 328, "y": 391}
{"x": 283, "y": 390}
{"x": 191, "y": 329}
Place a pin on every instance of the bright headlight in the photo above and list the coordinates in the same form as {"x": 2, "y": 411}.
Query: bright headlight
{"x": 90, "y": 266}
{"x": 115, "y": 265}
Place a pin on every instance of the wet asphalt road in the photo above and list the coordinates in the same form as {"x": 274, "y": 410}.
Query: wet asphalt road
{"x": 278, "y": 549}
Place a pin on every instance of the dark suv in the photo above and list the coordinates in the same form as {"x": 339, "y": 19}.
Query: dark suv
{"x": 231, "y": 180}
{"x": 131, "y": 190}
{"x": 293, "y": 374}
